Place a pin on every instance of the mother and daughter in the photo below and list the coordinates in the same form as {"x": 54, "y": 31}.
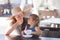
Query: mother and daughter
{"x": 24, "y": 24}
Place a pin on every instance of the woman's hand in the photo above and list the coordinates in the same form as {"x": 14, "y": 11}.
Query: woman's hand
{"x": 20, "y": 21}
{"x": 11, "y": 18}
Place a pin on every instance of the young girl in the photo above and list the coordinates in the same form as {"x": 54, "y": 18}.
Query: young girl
{"x": 17, "y": 18}
{"x": 32, "y": 25}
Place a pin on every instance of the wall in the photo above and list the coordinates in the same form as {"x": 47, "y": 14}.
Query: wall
{"x": 56, "y": 3}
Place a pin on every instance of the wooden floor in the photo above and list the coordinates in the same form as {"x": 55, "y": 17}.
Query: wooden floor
{"x": 16, "y": 37}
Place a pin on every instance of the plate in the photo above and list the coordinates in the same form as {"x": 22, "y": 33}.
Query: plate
{"x": 27, "y": 36}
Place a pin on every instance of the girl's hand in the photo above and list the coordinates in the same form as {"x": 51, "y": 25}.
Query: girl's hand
{"x": 37, "y": 32}
{"x": 27, "y": 32}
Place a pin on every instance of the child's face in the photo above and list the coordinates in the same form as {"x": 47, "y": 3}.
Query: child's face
{"x": 30, "y": 21}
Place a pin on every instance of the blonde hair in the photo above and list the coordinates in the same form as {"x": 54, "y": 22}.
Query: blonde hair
{"x": 16, "y": 10}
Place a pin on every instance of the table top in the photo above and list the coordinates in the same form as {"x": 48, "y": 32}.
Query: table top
{"x": 51, "y": 20}
{"x": 16, "y": 37}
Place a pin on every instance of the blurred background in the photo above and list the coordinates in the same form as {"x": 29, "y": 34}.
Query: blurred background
{"x": 6, "y": 7}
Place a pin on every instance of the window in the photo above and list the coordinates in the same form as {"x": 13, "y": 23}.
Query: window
{"x": 2, "y": 1}
{"x": 15, "y": 1}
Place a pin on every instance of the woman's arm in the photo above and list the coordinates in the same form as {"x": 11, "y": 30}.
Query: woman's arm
{"x": 38, "y": 31}
{"x": 26, "y": 11}
{"x": 13, "y": 27}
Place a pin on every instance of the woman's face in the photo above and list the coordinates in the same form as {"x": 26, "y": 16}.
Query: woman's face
{"x": 19, "y": 16}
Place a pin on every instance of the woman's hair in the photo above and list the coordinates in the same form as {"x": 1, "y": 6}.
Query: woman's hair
{"x": 35, "y": 18}
{"x": 16, "y": 10}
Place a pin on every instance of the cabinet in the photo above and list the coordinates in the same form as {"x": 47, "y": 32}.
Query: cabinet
{"x": 46, "y": 13}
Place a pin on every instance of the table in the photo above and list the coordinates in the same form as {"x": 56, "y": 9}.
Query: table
{"x": 17, "y": 37}
{"x": 52, "y": 21}
{"x": 53, "y": 31}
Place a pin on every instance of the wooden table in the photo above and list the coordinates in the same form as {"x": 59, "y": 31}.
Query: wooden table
{"x": 3, "y": 37}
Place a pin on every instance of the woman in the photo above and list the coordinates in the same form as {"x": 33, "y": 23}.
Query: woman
{"x": 17, "y": 19}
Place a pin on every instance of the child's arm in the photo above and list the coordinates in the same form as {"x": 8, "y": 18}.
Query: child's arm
{"x": 38, "y": 31}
